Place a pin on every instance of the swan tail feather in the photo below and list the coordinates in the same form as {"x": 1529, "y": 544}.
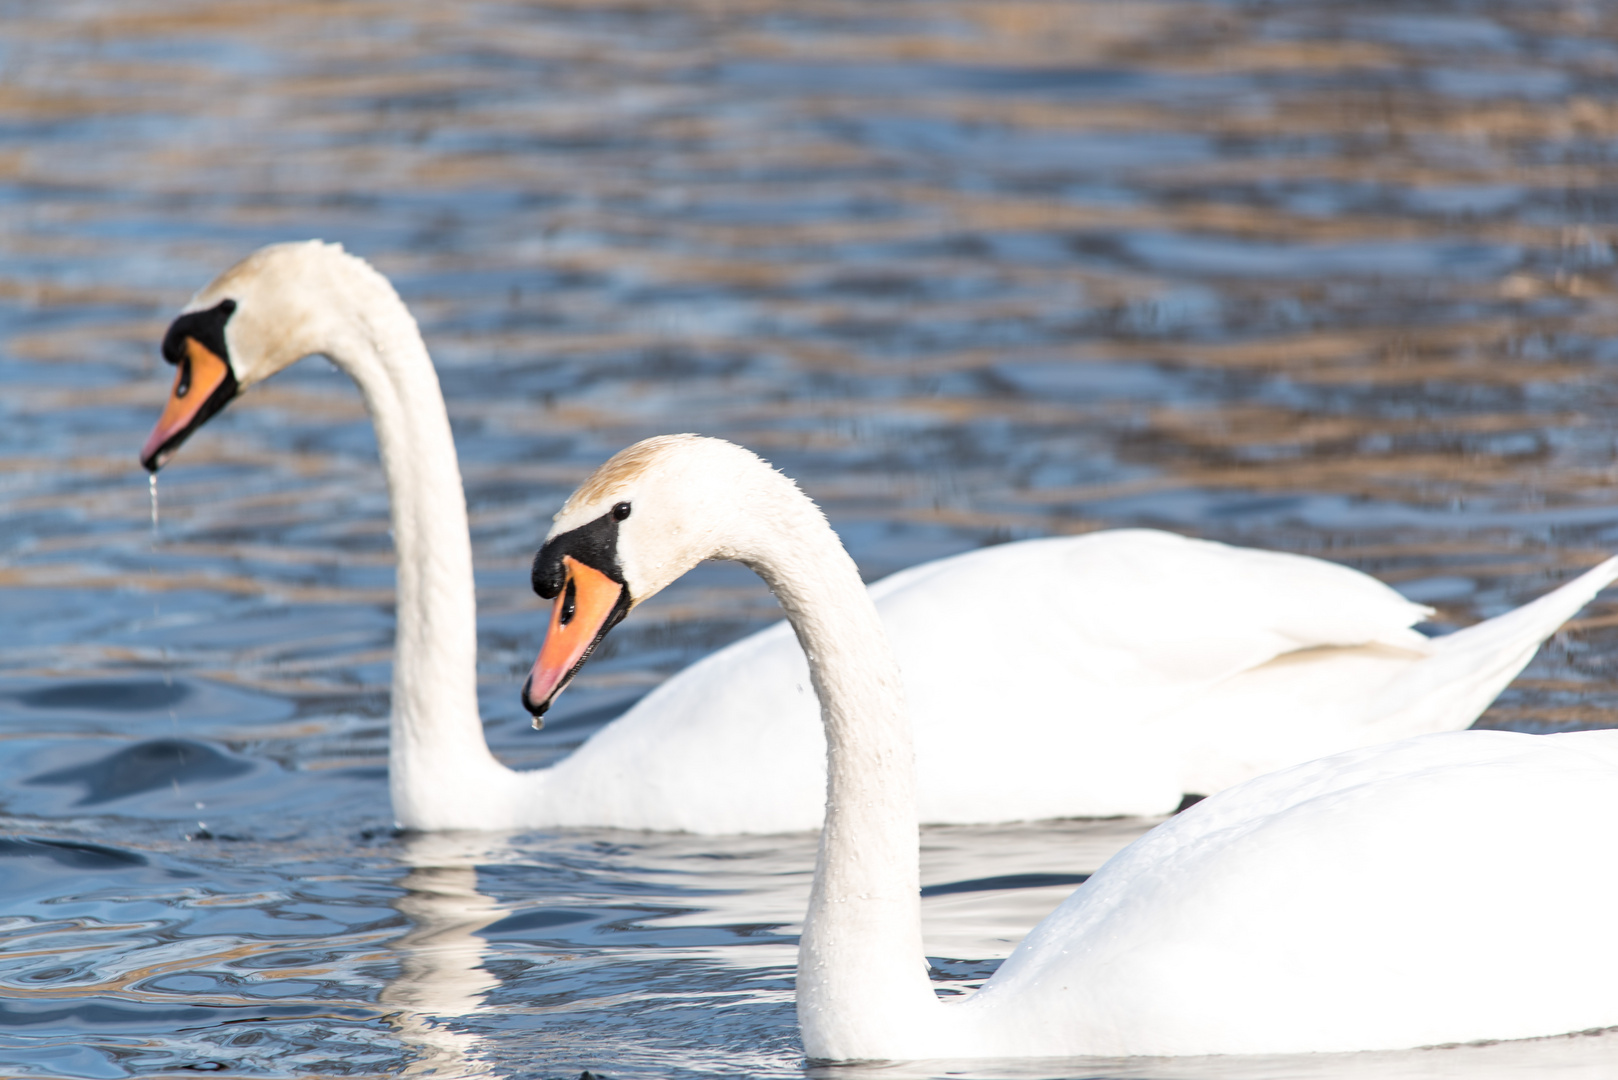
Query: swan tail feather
{"x": 1465, "y": 671}
{"x": 1528, "y": 626}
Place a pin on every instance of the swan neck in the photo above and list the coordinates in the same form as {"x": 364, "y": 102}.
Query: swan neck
{"x": 862, "y": 988}
{"x": 437, "y": 751}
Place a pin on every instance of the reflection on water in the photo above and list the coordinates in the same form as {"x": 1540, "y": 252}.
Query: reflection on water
{"x": 1331, "y": 277}
{"x": 441, "y": 958}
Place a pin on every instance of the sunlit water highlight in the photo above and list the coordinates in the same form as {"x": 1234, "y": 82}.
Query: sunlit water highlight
{"x": 1333, "y": 278}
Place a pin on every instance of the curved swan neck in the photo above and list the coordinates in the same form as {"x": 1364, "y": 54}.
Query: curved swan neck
{"x": 437, "y": 752}
{"x": 862, "y": 977}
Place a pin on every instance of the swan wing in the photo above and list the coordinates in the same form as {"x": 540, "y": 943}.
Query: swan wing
{"x": 1132, "y": 605}
{"x": 1313, "y": 702}
{"x": 1035, "y": 670}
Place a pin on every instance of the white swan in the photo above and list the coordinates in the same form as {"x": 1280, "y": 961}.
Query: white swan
{"x": 1124, "y": 669}
{"x": 1445, "y": 888}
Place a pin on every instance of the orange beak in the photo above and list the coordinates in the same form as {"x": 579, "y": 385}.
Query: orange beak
{"x": 590, "y": 604}
{"x": 200, "y": 390}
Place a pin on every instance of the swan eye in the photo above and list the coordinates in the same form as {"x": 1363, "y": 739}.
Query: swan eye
{"x": 570, "y": 604}
{"x": 620, "y": 511}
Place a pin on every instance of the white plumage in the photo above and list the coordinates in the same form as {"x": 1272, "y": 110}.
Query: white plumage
{"x": 1094, "y": 675}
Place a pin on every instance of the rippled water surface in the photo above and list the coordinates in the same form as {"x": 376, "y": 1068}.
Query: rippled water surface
{"x": 1325, "y": 277}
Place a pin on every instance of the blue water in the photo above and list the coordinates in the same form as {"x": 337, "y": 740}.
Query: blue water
{"x": 1335, "y": 278}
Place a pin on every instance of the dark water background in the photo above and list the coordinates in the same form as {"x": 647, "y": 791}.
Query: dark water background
{"x": 1335, "y": 278}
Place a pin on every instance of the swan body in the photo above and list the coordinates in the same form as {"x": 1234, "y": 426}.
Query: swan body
{"x": 1130, "y": 666}
{"x": 1443, "y": 888}
{"x": 1421, "y": 892}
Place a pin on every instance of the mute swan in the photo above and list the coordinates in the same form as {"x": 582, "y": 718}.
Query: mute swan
{"x": 1445, "y": 888}
{"x": 1127, "y": 668}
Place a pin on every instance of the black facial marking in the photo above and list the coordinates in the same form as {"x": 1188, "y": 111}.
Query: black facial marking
{"x": 570, "y": 602}
{"x": 595, "y": 544}
{"x": 208, "y": 327}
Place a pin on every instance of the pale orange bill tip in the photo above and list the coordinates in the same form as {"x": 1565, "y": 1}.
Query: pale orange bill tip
{"x": 195, "y": 381}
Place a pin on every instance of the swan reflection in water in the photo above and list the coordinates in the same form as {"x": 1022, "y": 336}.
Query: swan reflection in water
{"x": 441, "y": 957}
{"x": 720, "y": 914}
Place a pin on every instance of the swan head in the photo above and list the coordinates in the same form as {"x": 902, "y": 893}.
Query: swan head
{"x": 267, "y": 312}
{"x": 640, "y": 521}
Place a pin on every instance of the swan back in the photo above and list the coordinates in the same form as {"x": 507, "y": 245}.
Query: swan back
{"x": 1421, "y": 892}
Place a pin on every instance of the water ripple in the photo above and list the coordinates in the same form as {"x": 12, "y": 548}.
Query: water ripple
{"x": 1336, "y": 278}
